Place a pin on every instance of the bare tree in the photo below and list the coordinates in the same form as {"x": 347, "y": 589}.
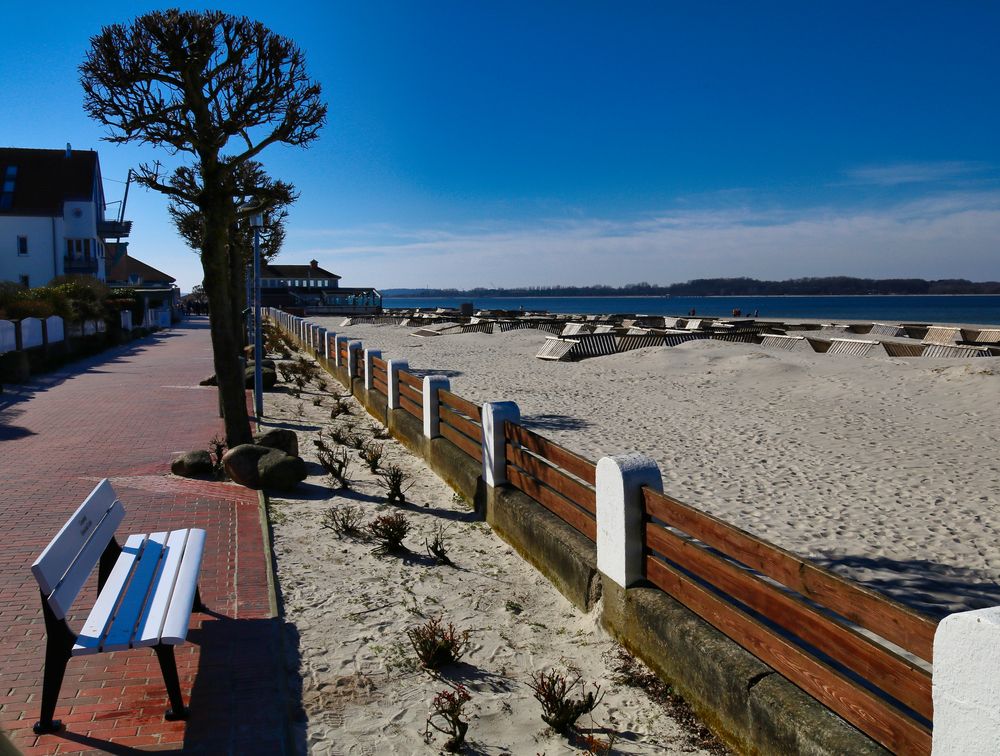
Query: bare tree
{"x": 219, "y": 89}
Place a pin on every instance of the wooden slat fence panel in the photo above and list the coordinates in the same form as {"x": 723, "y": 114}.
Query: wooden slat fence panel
{"x": 380, "y": 365}
{"x": 571, "y": 462}
{"x": 552, "y": 501}
{"x": 578, "y": 493}
{"x": 869, "y": 609}
{"x": 409, "y": 379}
{"x": 463, "y": 442}
{"x": 464, "y": 406}
{"x": 380, "y": 385}
{"x": 807, "y": 633}
{"x": 857, "y": 705}
{"x": 414, "y": 395}
{"x": 460, "y": 423}
{"x": 417, "y": 410}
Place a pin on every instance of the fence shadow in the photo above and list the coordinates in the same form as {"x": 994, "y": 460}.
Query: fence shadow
{"x": 934, "y": 589}
{"x": 553, "y": 422}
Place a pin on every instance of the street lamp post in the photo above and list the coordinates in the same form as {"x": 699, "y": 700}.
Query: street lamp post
{"x": 257, "y": 223}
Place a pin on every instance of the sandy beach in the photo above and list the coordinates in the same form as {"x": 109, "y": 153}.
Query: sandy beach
{"x": 884, "y": 469}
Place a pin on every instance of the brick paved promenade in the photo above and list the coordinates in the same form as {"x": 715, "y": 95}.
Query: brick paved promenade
{"x": 122, "y": 414}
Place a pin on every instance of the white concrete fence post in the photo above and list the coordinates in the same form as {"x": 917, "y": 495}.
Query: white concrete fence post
{"x": 336, "y": 349}
{"x": 432, "y": 407}
{"x": 370, "y": 368}
{"x": 619, "y": 514}
{"x": 353, "y": 349}
{"x": 495, "y": 414}
{"x": 966, "y": 684}
{"x": 392, "y": 374}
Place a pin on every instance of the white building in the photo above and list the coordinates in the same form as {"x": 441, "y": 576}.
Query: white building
{"x": 52, "y": 218}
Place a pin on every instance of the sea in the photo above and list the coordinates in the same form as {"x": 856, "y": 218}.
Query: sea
{"x": 940, "y": 309}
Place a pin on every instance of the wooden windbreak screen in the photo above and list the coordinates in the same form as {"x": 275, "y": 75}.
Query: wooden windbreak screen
{"x": 798, "y": 618}
{"x": 558, "y": 479}
{"x": 411, "y": 394}
{"x": 380, "y": 375}
{"x": 461, "y": 423}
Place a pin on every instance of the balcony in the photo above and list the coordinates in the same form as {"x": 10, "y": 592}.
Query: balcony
{"x": 112, "y": 229}
{"x": 80, "y": 266}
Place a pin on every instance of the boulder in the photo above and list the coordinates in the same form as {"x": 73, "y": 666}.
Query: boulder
{"x": 193, "y": 464}
{"x": 240, "y": 464}
{"x": 279, "y": 470}
{"x": 268, "y": 377}
{"x": 279, "y": 438}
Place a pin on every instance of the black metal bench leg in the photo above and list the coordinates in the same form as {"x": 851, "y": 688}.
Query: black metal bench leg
{"x": 59, "y": 642}
{"x": 198, "y": 605}
{"x": 168, "y": 665}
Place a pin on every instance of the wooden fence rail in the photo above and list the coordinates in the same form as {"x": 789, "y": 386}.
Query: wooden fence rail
{"x": 461, "y": 423}
{"x": 380, "y": 375}
{"x": 411, "y": 394}
{"x": 806, "y": 627}
{"x": 558, "y": 479}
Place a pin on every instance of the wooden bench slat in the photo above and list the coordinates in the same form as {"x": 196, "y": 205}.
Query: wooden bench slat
{"x": 155, "y": 612}
{"x": 175, "y": 626}
{"x": 62, "y": 550}
{"x": 123, "y": 626}
{"x": 99, "y": 620}
{"x": 68, "y": 589}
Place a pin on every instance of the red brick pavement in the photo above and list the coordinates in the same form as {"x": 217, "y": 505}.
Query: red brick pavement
{"x": 120, "y": 415}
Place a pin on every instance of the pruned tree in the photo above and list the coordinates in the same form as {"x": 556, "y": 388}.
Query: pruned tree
{"x": 255, "y": 186}
{"x": 219, "y": 89}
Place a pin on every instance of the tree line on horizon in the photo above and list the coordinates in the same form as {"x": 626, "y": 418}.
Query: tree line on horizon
{"x": 721, "y": 287}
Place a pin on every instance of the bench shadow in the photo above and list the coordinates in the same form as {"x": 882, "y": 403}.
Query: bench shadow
{"x": 929, "y": 587}
{"x": 245, "y": 694}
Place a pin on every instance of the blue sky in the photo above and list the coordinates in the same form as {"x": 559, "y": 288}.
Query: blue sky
{"x": 489, "y": 143}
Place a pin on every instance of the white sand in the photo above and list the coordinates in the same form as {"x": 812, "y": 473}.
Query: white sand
{"x": 884, "y": 468}
{"x": 347, "y": 612}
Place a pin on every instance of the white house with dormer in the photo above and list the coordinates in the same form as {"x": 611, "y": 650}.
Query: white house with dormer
{"x": 52, "y": 215}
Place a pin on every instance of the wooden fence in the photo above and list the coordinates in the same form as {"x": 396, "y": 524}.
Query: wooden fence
{"x": 803, "y": 620}
{"x": 411, "y": 394}
{"x": 380, "y": 375}
{"x": 558, "y": 479}
{"x": 461, "y": 423}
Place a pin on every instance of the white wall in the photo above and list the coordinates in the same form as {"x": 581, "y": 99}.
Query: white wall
{"x": 38, "y": 264}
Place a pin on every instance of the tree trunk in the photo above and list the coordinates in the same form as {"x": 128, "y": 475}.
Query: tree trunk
{"x": 225, "y": 345}
{"x": 238, "y": 292}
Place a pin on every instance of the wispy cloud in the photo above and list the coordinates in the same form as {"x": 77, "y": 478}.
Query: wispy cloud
{"x": 898, "y": 174}
{"x": 946, "y": 235}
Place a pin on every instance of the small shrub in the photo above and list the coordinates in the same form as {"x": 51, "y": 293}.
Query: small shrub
{"x": 371, "y": 454}
{"x": 322, "y": 385}
{"x": 446, "y": 717}
{"x": 437, "y": 549}
{"x": 356, "y": 441}
{"x": 341, "y": 434}
{"x": 335, "y": 461}
{"x": 394, "y": 479}
{"x": 437, "y": 645}
{"x": 389, "y": 531}
{"x": 344, "y": 521}
{"x": 559, "y": 709}
{"x": 217, "y": 447}
{"x": 379, "y": 432}
{"x": 317, "y": 401}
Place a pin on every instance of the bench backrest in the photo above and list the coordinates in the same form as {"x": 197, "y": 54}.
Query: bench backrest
{"x": 63, "y": 567}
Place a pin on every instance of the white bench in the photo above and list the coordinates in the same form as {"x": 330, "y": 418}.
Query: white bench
{"x": 147, "y": 589}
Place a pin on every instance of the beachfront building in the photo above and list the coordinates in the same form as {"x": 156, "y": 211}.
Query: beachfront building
{"x": 52, "y": 218}
{"x": 155, "y": 289}
{"x": 314, "y": 290}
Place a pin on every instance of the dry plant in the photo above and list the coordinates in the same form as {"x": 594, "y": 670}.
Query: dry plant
{"x": 379, "y": 432}
{"x": 371, "y": 454}
{"x": 341, "y": 434}
{"x": 388, "y": 531}
{"x": 300, "y": 409}
{"x": 356, "y": 441}
{"x": 446, "y": 717}
{"x": 394, "y": 480}
{"x": 317, "y": 401}
{"x": 436, "y": 644}
{"x": 560, "y": 709}
{"x": 335, "y": 461}
{"x": 217, "y": 447}
{"x": 344, "y": 521}
{"x": 437, "y": 549}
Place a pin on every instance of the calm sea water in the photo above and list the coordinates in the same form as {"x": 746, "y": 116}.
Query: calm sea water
{"x": 974, "y": 309}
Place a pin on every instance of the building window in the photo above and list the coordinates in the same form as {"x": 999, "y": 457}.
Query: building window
{"x": 7, "y": 193}
{"x": 25, "y": 282}
{"x": 22, "y": 245}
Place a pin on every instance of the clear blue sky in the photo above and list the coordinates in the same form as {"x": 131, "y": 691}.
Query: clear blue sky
{"x": 508, "y": 143}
